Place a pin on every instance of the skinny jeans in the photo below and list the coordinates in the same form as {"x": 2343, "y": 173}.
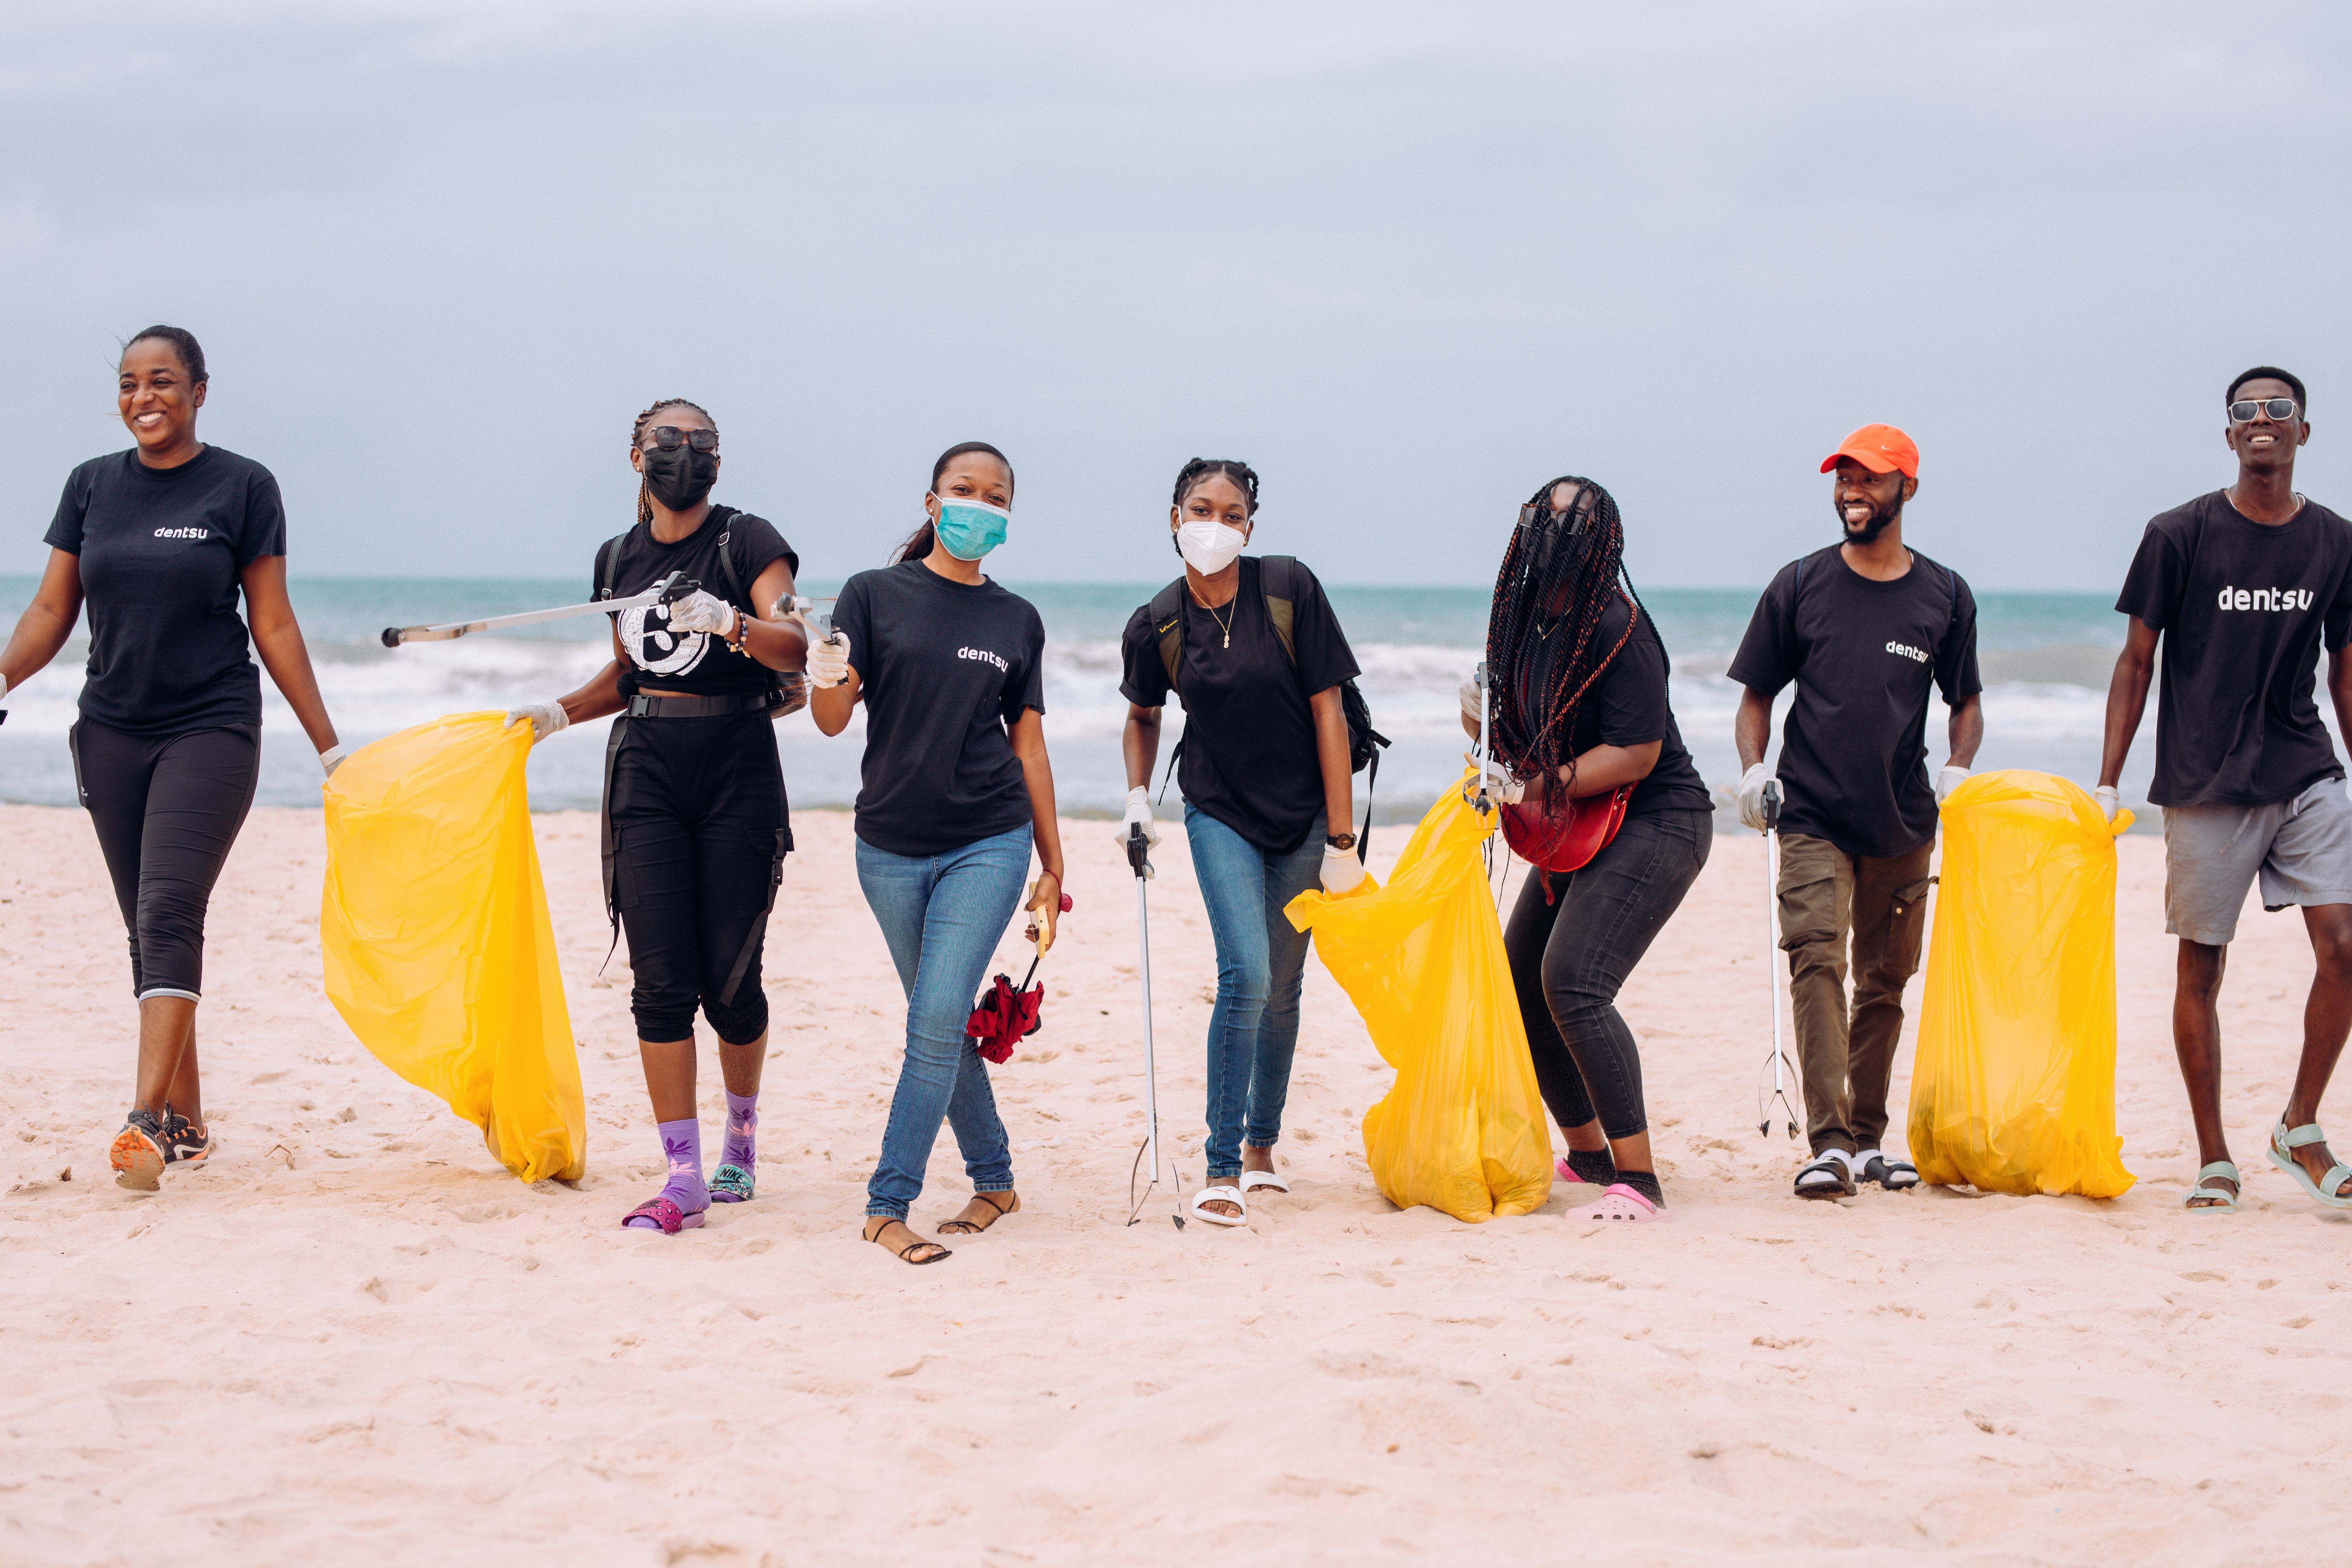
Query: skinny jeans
{"x": 1572, "y": 948}
{"x": 941, "y": 916}
{"x": 166, "y": 809}
{"x": 1261, "y": 966}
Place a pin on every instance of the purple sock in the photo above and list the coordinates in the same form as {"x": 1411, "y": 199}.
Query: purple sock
{"x": 682, "y": 1143}
{"x": 742, "y": 1145}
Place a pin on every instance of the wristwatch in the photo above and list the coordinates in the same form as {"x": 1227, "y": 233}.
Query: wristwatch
{"x": 1342, "y": 841}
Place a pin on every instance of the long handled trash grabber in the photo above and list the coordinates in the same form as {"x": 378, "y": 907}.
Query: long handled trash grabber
{"x": 1780, "y": 1064}
{"x": 1138, "y": 859}
{"x": 668, "y": 590}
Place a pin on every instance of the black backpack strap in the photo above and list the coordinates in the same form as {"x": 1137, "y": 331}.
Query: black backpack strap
{"x": 1277, "y": 580}
{"x": 1167, "y": 627}
{"x": 608, "y": 564}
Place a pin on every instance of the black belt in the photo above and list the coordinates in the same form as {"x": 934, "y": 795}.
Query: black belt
{"x": 645, "y": 705}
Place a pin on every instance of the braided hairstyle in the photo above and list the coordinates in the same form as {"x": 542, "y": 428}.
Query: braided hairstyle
{"x": 918, "y": 544}
{"x": 1562, "y": 573}
{"x": 1200, "y": 470}
{"x": 637, "y": 438}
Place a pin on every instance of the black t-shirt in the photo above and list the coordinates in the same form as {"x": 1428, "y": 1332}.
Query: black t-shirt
{"x": 2235, "y": 721}
{"x": 693, "y": 662}
{"x": 1853, "y": 754}
{"x": 943, "y": 668}
{"x": 1249, "y": 733}
{"x": 161, "y": 551}
{"x": 1626, "y": 706}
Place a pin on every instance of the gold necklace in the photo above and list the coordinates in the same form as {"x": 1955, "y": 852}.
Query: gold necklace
{"x": 1227, "y": 625}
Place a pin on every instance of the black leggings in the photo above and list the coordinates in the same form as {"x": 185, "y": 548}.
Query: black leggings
{"x": 700, "y": 832}
{"x": 166, "y": 808}
{"x": 1570, "y": 956}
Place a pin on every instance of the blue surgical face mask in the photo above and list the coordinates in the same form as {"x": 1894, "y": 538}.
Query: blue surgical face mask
{"x": 970, "y": 529}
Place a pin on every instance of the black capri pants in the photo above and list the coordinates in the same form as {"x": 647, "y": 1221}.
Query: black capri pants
{"x": 1572, "y": 950}
{"x": 166, "y": 808}
{"x": 701, "y": 827}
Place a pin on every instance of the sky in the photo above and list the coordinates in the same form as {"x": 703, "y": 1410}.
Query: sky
{"x": 1409, "y": 260}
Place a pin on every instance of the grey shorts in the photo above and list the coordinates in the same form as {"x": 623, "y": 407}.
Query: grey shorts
{"x": 2301, "y": 849}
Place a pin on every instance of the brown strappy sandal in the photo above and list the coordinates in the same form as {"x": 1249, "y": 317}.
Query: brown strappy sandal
{"x": 970, "y": 1227}
{"x": 905, "y": 1254}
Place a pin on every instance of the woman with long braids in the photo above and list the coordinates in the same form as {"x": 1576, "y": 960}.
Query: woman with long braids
{"x": 956, "y": 790}
{"x": 160, "y": 542}
{"x": 1578, "y": 678}
{"x": 1267, "y": 793}
{"x": 696, "y": 823}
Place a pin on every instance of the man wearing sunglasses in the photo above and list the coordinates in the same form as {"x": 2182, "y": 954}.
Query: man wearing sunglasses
{"x": 1863, "y": 628}
{"x": 2247, "y": 586}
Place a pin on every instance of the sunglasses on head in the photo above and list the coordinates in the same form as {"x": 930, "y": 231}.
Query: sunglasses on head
{"x": 2252, "y": 409}
{"x": 670, "y": 438}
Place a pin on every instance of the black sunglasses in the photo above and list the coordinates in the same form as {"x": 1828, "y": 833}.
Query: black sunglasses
{"x": 670, "y": 438}
{"x": 2279, "y": 408}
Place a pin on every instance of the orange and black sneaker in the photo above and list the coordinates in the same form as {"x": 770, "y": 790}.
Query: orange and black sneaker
{"x": 186, "y": 1144}
{"x": 140, "y": 1151}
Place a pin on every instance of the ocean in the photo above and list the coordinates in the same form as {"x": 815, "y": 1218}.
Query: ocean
{"x": 2045, "y": 659}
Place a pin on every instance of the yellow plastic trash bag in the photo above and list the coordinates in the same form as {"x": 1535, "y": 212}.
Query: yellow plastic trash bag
{"x": 1464, "y": 1127}
{"x": 2014, "y": 1087}
{"x": 437, "y": 947}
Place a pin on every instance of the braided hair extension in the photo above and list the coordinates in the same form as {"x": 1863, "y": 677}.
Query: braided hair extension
{"x": 919, "y": 542}
{"x": 1200, "y": 470}
{"x": 637, "y": 438}
{"x": 1560, "y": 574}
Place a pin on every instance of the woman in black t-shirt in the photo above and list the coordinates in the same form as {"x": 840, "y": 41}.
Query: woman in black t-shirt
{"x": 160, "y": 541}
{"x": 696, "y": 823}
{"x": 956, "y": 791}
{"x": 1578, "y": 678}
{"x": 1267, "y": 790}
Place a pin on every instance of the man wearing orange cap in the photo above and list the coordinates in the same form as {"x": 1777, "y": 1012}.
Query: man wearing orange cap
{"x": 1862, "y": 628}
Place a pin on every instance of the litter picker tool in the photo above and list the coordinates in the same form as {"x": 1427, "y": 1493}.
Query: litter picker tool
{"x": 668, "y": 590}
{"x": 805, "y": 611}
{"x": 1781, "y": 1069}
{"x": 1006, "y": 1014}
{"x": 1139, "y": 860}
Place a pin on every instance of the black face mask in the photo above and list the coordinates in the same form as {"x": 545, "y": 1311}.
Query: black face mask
{"x": 681, "y": 477}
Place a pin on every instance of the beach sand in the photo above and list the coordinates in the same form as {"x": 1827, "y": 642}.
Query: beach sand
{"x": 354, "y": 1339}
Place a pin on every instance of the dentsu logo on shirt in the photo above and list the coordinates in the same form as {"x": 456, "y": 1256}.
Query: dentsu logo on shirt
{"x": 184, "y": 534}
{"x": 984, "y": 656}
{"x": 2265, "y": 598}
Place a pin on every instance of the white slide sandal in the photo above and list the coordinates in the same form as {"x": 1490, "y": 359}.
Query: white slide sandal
{"x": 1215, "y": 1195}
{"x": 1254, "y": 1181}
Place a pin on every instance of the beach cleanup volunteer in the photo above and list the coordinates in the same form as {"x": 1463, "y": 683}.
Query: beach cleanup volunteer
{"x": 2246, "y": 588}
{"x": 1579, "y": 711}
{"x": 1862, "y": 628}
{"x": 160, "y": 540}
{"x": 955, "y": 790}
{"x": 696, "y": 822}
{"x": 1268, "y": 794}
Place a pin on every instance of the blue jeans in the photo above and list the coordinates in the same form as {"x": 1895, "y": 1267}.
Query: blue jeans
{"x": 1261, "y": 965}
{"x": 941, "y": 916}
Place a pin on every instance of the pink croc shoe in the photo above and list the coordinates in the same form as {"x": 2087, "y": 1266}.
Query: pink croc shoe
{"x": 1623, "y": 1206}
{"x": 1561, "y": 1169}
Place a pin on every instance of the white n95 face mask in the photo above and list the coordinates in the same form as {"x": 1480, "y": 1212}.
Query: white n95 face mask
{"x": 1208, "y": 547}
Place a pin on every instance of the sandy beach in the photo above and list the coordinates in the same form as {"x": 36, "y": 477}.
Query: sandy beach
{"x": 354, "y": 1339}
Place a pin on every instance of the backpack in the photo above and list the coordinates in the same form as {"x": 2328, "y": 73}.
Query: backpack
{"x": 1278, "y": 582}
{"x": 787, "y": 692}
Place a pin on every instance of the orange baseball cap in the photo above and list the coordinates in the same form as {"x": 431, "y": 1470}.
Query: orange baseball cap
{"x": 1880, "y": 448}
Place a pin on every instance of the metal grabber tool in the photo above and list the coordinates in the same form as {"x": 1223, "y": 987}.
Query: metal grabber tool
{"x": 1781, "y": 1068}
{"x": 1139, "y": 860}
{"x": 668, "y": 590}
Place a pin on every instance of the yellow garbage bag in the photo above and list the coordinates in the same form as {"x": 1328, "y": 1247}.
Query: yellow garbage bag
{"x": 1464, "y": 1127}
{"x": 437, "y": 947}
{"x": 2013, "y": 1086}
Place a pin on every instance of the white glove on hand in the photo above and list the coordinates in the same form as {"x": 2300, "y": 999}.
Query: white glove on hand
{"x": 1751, "y": 796}
{"x": 546, "y": 719}
{"x": 331, "y": 759}
{"x": 828, "y": 662}
{"x": 1343, "y": 870}
{"x": 1952, "y": 778}
{"x": 701, "y": 612}
{"x": 1470, "y": 701}
{"x": 2109, "y": 801}
{"x": 1502, "y": 785}
{"x": 1138, "y": 811}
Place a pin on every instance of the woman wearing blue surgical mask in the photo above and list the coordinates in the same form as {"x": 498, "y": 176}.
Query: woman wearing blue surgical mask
{"x": 1252, "y": 647}
{"x": 956, "y": 791}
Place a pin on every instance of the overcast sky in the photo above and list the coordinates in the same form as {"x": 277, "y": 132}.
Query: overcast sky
{"x": 1409, "y": 260}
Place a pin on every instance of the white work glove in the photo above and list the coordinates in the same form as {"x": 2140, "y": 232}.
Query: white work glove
{"x": 546, "y": 719}
{"x": 1502, "y": 786}
{"x": 1470, "y": 701}
{"x": 828, "y": 661}
{"x": 1751, "y": 796}
{"x": 1952, "y": 778}
{"x": 1343, "y": 870}
{"x": 2109, "y": 801}
{"x": 701, "y": 612}
{"x": 1138, "y": 812}
{"x": 331, "y": 759}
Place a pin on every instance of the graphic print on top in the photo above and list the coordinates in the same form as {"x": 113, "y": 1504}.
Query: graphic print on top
{"x": 654, "y": 647}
